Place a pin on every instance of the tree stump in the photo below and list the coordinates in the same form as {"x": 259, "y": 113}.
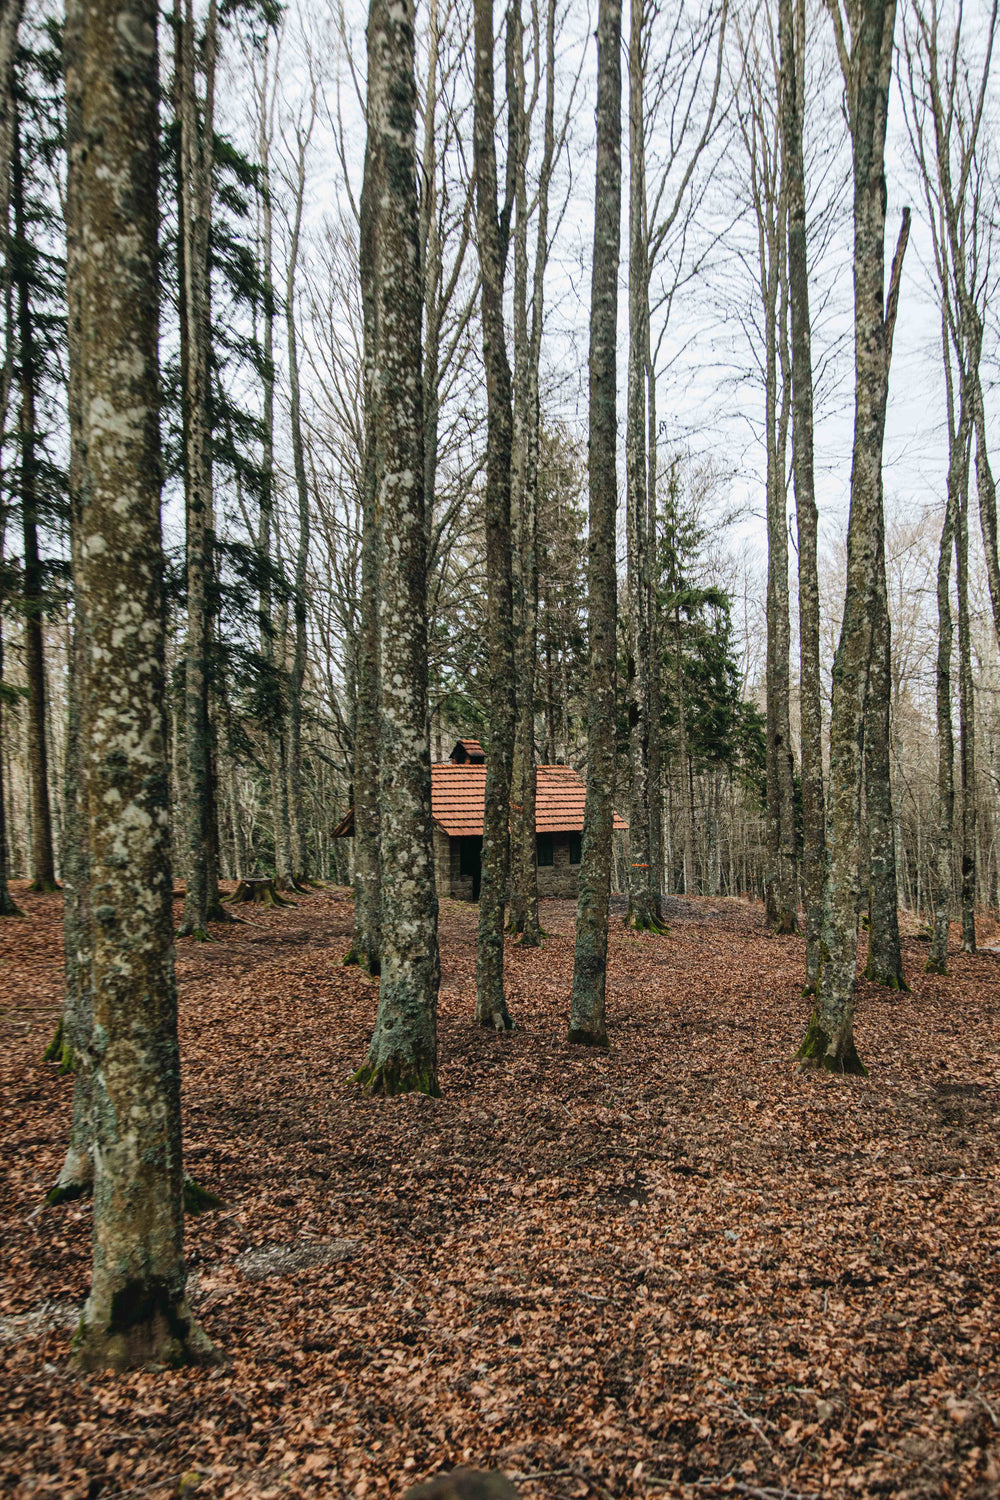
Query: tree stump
{"x": 257, "y": 892}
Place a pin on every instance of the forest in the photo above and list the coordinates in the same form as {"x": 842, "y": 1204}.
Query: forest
{"x": 499, "y": 748}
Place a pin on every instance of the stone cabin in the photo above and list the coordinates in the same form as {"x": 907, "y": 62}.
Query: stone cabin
{"x": 458, "y": 797}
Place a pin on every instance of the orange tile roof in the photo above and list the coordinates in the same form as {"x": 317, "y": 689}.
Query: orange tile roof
{"x": 458, "y": 795}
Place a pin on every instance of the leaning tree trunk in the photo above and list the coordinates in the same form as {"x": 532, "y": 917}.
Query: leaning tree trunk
{"x": 491, "y": 1004}
{"x": 641, "y": 908}
{"x": 43, "y": 873}
{"x": 403, "y": 1051}
{"x": 136, "y": 1313}
{"x": 792, "y": 32}
{"x": 829, "y": 1040}
{"x": 590, "y": 958}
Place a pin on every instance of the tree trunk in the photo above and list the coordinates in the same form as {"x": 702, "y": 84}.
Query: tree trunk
{"x": 491, "y": 1004}
{"x": 829, "y": 1040}
{"x": 365, "y": 946}
{"x": 201, "y": 897}
{"x": 937, "y": 960}
{"x": 403, "y": 1051}
{"x": 885, "y": 960}
{"x": 77, "y": 1173}
{"x": 792, "y": 31}
{"x": 300, "y": 842}
{"x": 43, "y": 873}
{"x": 641, "y": 910}
{"x": 136, "y": 1313}
{"x": 587, "y": 1014}
{"x": 656, "y": 862}
{"x": 966, "y": 715}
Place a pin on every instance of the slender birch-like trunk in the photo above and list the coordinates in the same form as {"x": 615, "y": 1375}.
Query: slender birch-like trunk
{"x": 792, "y": 34}
{"x": 587, "y": 1013}
{"x": 937, "y": 960}
{"x": 403, "y": 1051}
{"x": 966, "y": 716}
{"x": 136, "y": 1312}
{"x": 641, "y": 912}
{"x": 867, "y": 70}
{"x": 491, "y": 1004}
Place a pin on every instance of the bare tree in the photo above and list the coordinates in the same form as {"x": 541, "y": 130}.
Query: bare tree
{"x": 493, "y": 234}
{"x": 864, "y": 36}
{"x": 403, "y": 1051}
{"x": 587, "y": 1012}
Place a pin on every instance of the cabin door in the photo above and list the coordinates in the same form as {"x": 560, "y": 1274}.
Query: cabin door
{"x": 470, "y": 861}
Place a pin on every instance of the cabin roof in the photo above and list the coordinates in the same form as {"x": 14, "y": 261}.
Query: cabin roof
{"x": 458, "y": 799}
{"x": 468, "y": 750}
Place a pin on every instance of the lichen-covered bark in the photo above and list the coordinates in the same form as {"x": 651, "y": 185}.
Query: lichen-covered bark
{"x": 791, "y": 34}
{"x": 587, "y": 1012}
{"x": 867, "y": 68}
{"x": 296, "y": 805}
{"x": 885, "y": 960}
{"x": 136, "y": 1312}
{"x": 201, "y": 897}
{"x": 491, "y": 1003}
{"x": 641, "y": 909}
{"x": 403, "y": 1051}
{"x": 365, "y": 946}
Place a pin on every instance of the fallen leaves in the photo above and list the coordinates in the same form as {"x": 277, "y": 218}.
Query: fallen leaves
{"x": 680, "y": 1268}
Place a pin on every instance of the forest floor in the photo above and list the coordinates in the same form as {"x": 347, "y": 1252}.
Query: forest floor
{"x": 678, "y": 1269}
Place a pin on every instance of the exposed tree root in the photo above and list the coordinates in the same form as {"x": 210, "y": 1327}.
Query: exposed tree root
{"x": 59, "y": 1050}
{"x": 366, "y": 961}
{"x": 199, "y": 1200}
{"x": 819, "y": 1051}
{"x": 497, "y": 1016}
{"x": 10, "y": 908}
{"x": 397, "y": 1077}
{"x": 76, "y": 1180}
{"x": 199, "y": 934}
{"x": 636, "y": 923}
{"x": 286, "y": 883}
{"x": 219, "y": 913}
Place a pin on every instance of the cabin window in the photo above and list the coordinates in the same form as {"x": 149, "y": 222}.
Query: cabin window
{"x": 546, "y": 849}
{"x": 575, "y": 848}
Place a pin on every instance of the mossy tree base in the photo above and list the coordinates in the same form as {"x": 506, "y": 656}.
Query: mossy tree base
{"x": 496, "y": 1016}
{"x": 363, "y": 960}
{"x": 936, "y": 965}
{"x": 255, "y": 892}
{"x": 10, "y": 908}
{"x": 146, "y": 1325}
{"x": 820, "y": 1050}
{"x": 286, "y": 883}
{"x": 785, "y": 924}
{"x": 889, "y": 979}
{"x": 395, "y": 1077}
{"x": 635, "y": 922}
{"x": 578, "y": 1037}
{"x": 59, "y": 1050}
{"x": 44, "y": 887}
{"x": 199, "y": 934}
{"x": 76, "y": 1180}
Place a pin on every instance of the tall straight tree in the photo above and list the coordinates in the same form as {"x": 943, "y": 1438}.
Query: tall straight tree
{"x": 493, "y": 233}
{"x": 590, "y": 958}
{"x": 885, "y": 958}
{"x": 403, "y": 1051}
{"x": 865, "y": 48}
{"x": 641, "y": 897}
{"x": 195, "y": 193}
{"x": 136, "y": 1312}
{"x": 792, "y": 44}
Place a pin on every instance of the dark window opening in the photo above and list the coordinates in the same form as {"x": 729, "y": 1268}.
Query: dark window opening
{"x": 575, "y": 848}
{"x": 546, "y": 849}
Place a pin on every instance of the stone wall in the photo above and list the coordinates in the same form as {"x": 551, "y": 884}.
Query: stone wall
{"x": 560, "y": 878}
